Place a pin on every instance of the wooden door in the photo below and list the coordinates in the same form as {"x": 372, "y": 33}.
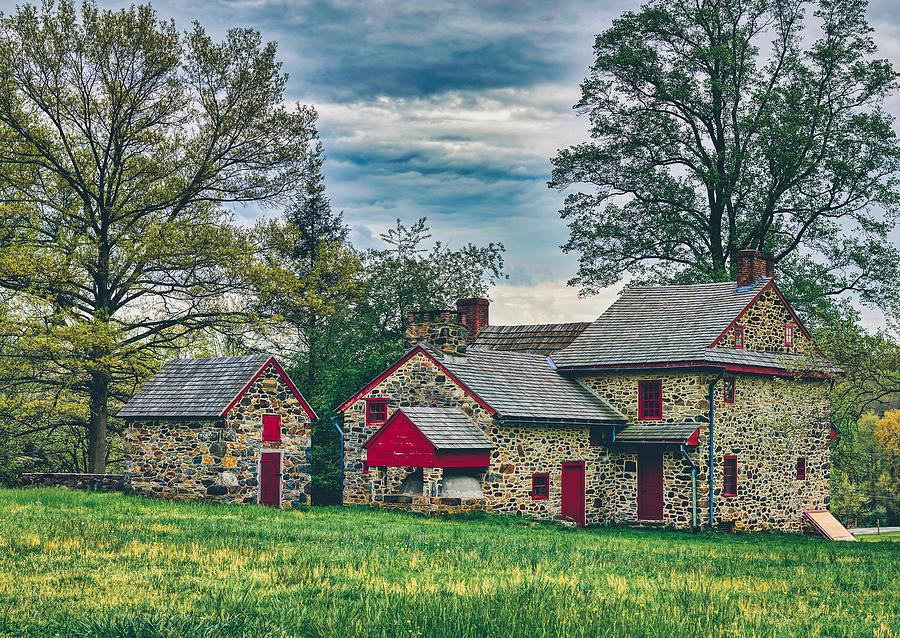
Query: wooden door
{"x": 270, "y": 479}
{"x": 650, "y": 485}
{"x": 573, "y": 491}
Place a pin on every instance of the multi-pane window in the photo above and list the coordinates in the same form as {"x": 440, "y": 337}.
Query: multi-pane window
{"x": 728, "y": 389}
{"x": 801, "y": 469}
{"x": 376, "y": 411}
{"x": 739, "y": 337}
{"x": 271, "y": 428}
{"x": 540, "y": 487}
{"x": 789, "y": 334}
{"x": 650, "y": 400}
{"x": 730, "y": 477}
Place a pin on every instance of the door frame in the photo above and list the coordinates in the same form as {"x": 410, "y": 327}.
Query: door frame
{"x": 280, "y": 475}
{"x": 581, "y": 466}
{"x": 662, "y": 485}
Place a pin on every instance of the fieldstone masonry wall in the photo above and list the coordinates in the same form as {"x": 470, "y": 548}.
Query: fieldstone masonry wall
{"x": 771, "y": 423}
{"x": 218, "y": 459}
{"x": 763, "y": 325}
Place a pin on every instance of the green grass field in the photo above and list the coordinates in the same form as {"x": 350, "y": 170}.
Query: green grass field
{"x": 77, "y": 564}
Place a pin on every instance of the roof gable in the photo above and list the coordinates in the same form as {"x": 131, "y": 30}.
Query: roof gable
{"x": 441, "y": 428}
{"x": 203, "y": 388}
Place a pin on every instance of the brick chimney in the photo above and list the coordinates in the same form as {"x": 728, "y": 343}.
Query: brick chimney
{"x": 753, "y": 265}
{"x": 473, "y": 314}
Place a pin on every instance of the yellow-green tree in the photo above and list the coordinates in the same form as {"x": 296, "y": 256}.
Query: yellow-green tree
{"x": 122, "y": 141}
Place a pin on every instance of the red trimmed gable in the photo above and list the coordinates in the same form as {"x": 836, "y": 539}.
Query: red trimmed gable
{"x": 284, "y": 377}
{"x": 399, "y": 443}
{"x": 771, "y": 285}
{"x": 393, "y": 368}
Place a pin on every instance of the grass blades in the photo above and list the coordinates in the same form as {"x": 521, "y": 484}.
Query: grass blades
{"x": 98, "y": 565}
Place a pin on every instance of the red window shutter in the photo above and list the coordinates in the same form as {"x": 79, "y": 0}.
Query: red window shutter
{"x": 789, "y": 334}
{"x": 729, "y": 477}
{"x": 738, "y": 337}
{"x": 801, "y": 468}
{"x": 650, "y": 400}
{"x": 728, "y": 389}
{"x": 365, "y": 467}
{"x": 376, "y": 411}
{"x": 271, "y": 427}
{"x": 540, "y": 487}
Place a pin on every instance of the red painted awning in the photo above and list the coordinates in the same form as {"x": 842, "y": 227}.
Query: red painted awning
{"x": 428, "y": 437}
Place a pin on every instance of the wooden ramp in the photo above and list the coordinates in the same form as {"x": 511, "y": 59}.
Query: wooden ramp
{"x": 828, "y": 526}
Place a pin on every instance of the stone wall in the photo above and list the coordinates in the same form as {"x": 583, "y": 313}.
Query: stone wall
{"x": 763, "y": 325}
{"x": 98, "y": 482}
{"x": 218, "y": 459}
{"x": 770, "y": 424}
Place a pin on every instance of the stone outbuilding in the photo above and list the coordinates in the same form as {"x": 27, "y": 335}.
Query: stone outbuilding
{"x": 228, "y": 429}
{"x": 686, "y": 406}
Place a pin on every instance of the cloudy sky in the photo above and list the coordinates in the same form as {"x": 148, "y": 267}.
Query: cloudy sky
{"x": 451, "y": 109}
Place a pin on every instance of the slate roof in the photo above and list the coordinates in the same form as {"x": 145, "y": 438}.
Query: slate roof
{"x": 543, "y": 338}
{"x": 668, "y": 324}
{"x": 448, "y": 428}
{"x": 522, "y": 387}
{"x": 199, "y": 388}
{"x": 657, "y": 433}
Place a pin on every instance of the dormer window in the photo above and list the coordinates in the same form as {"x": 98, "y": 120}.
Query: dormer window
{"x": 376, "y": 411}
{"x": 739, "y": 337}
{"x": 789, "y": 335}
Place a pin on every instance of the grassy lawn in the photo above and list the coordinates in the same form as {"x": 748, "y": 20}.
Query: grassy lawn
{"x": 76, "y": 564}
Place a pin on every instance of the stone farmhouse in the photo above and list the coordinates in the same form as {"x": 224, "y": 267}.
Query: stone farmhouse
{"x": 685, "y": 406}
{"x": 230, "y": 429}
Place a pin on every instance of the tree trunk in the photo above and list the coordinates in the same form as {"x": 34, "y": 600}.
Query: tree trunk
{"x": 97, "y": 425}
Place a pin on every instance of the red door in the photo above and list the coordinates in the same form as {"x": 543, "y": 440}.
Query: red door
{"x": 650, "y": 485}
{"x": 270, "y": 479}
{"x": 573, "y": 491}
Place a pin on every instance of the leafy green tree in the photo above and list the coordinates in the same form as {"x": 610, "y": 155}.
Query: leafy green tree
{"x": 121, "y": 143}
{"x": 721, "y": 125}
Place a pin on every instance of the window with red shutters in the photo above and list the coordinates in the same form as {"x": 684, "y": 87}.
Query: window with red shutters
{"x": 376, "y": 411}
{"x": 728, "y": 389}
{"x": 650, "y": 400}
{"x": 271, "y": 428}
{"x": 801, "y": 469}
{"x": 738, "y": 337}
{"x": 789, "y": 335}
{"x": 540, "y": 487}
{"x": 730, "y": 477}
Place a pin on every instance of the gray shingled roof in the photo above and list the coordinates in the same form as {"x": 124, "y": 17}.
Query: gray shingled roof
{"x": 523, "y": 387}
{"x": 543, "y": 338}
{"x": 199, "y": 388}
{"x": 657, "y": 433}
{"x": 665, "y": 324}
{"x": 448, "y": 428}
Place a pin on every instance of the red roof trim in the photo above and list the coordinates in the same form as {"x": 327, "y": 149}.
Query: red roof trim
{"x": 729, "y": 367}
{"x": 271, "y": 360}
{"x": 770, "y": 285}
{"x": 385, "y": 425}
{"x": 409, "y": 355}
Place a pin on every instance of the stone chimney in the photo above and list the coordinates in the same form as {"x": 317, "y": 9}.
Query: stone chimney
{"x": 441, "y": 330}
{"x": 753, "y": 265}
{"x": 473, "y": 314}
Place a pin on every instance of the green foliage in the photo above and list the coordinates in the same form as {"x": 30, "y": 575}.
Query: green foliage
{"x": 121, "y": 143}
{"x": 98, "y": 565}
{"x": 865, "y": 478}
{"x": 728, "y": 125}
